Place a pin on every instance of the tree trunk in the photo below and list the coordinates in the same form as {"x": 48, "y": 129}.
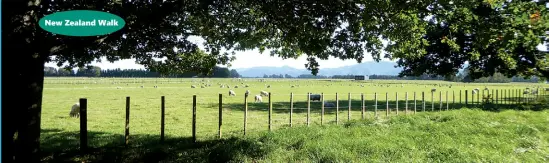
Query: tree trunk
{"x": 25, "y": 102}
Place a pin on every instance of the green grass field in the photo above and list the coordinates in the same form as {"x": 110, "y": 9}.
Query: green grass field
{"x": 106, "y": 118}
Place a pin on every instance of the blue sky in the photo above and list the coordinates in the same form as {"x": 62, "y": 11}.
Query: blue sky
{"x": 247, "y": 59}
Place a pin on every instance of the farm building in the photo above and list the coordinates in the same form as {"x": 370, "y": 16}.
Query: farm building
{"x": 361, "y": 77}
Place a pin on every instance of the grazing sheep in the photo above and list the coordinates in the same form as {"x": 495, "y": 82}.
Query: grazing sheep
{"x": 526, "y": 92}
{"x": 264, "y": 93}
{"x": 202, "y": 86}
{"x": 268, "y": 86}
{"x": 292, "y": 86}
{"x": 236, "y": 86}
{"x": 155, "y": 86}
{"x": 258, "y": 98}
{"x": 221, "y": 86}
{"x": 433, "y": 90}
{"x": 75, "y": 110}
{"x": 486, "y": 89}
{"x": 315, "y": 97}
{"x": 231, "y": 93}
{"x": 118, "y": 87}
{"x": 142, "y": 86}
{"x": 329, "y": 104}
{"x": 534, "y": 92}
{"x": 247, "y": 93}
{"x": 193, "y": 86}
{"x": 246, "y": 86}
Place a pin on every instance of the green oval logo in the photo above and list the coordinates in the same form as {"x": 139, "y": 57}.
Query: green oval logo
{"x": 82, "y": 23}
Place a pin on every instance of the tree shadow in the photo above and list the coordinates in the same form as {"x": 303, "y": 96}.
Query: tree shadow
{"x": 61, "y": 146}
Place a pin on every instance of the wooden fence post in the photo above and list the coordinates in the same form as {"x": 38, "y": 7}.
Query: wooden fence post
{"x": 292, "y": 107}
{"x": 322, "y": 109}
{"x": 440, "y": 100}
{"x": 406, "y": 105}
{"x": 83, "y": 124}
{"x": 220, "y": 113}
{"x": 246, "y": 112}
{"x": 127, "y": 128}
{"x": 432, "y": 101}
{"x": 423, "y": 100}
{"x": 415, "y": 103}
{"x": 362, "y": 104}
{"x": 375, "y": 105}
{"x": 387, "y": 101}
{"x": 194, "y": 119}
{"x": 466, "y": 98}
{"x": 453, "y": 99}
{"x": 308, "y": 108}
{"x": 396, "y": 99}
{"x": 337, "y": 108}
{"x": 460, "y": 97}
{"x": 270, "y": 112}
{"x": 497, "y": 100}
{"x": 447, "y": 105}
{"x": 162, "y": 110}
{"x": 349, "y": 112}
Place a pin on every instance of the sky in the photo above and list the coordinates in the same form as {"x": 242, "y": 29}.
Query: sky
{"x": 247, "y": 59}
{"x": 244, "y": 59}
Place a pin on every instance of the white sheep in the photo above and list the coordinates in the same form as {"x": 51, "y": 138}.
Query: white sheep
{"x": 264, "y": 93}
{"x": 236, "y": 86}
{"x": 202, "y": 86}
{"x": 258, "y": 98}
{"x": 75, "y": 110}
{"x": 142, "y": 86}
{"x": 155, "y": 86}
{"x": 193, "y": 86}
{"x": 268, "y": 86}
{"x": 231, "y": 93}
{"x": 221, "y": 86}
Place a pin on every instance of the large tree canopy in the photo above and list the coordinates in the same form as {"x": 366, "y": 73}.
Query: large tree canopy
{"x": 427, "y": 36}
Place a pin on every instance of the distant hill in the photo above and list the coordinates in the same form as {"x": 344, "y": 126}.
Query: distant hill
{"x": 365, "y": 68}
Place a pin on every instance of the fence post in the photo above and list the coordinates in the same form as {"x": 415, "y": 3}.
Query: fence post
{"x": 337, "y": 109}
{"x": 220, "y": 113}
{"x": 308, "y": 108}
{"x": 497, "y": 100}
{"x": 349, "y": 112}
{"x": 127, "y": 128}
{"x": 387, "y": 101}
{"x": 440, "y": 100}
{"x": 432, "y": 101}
{"x": 194, "y": 119}
{"x": 292, "y": 107}
{"x": 83, "y": 124}
{"x": 362, "y": 104}
{"x": 396, "y": 99}
{"x": 447, "y": 105}
{"x": 375, "y": 105}
{"x": 162, "y": 108}
{"x": 453, "y": 99}
{"x": 246, "y": 112}
{"x": 406, "y": 105}
{"x": 466, "y": 98}
{"x": 322, "y": 109}
{"x": 423, "y": 100}
{"x": 270, "y": 112}
{"x": 415, "y": 103}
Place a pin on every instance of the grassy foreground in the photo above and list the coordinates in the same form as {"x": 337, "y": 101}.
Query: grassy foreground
{"x": 466, "y": 135}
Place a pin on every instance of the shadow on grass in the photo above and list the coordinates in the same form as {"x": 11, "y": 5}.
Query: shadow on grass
{"x": 60, "y": 146}
{"x": 536, "y": 104}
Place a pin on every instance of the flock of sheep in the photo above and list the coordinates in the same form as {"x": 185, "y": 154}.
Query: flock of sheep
{"x": 75, "y": 108}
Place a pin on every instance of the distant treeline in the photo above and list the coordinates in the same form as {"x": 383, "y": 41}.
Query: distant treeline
{"x": 496, "y": 78}
{"x": 94, "y": 71}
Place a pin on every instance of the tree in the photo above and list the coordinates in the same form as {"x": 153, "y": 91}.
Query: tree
{"x": 234, "y": 74}
{"x": 492, "y": 36}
